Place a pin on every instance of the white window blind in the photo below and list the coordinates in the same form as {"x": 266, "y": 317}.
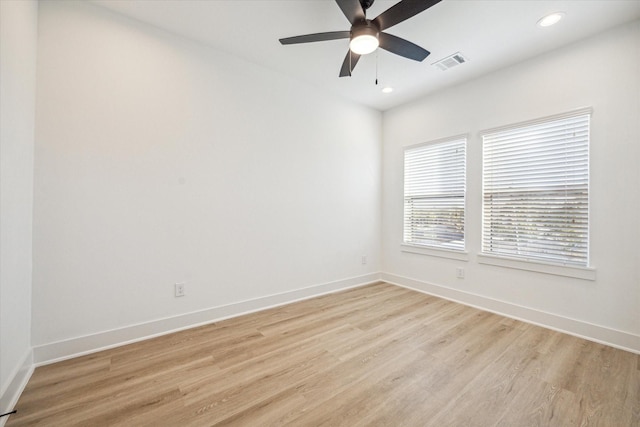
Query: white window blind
{"x": 536, "y": 191}
{"x": 434, "y": 194}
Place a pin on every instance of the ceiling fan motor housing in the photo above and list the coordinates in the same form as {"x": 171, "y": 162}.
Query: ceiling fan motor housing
{"x": 364, "y": 28}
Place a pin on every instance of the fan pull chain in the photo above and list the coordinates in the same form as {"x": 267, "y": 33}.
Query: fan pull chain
{"x": 376, "y": 68}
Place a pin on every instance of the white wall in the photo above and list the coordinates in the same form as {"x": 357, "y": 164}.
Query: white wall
{"x": 18, "y": 41}
{"x": 601, "y": 73}
{"x": 159, "y": 160}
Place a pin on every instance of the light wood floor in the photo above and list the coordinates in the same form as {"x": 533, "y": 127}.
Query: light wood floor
{"x": 379, "y": 355}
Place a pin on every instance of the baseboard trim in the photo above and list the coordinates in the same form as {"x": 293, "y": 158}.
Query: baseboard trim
{"x": 18, "y": 381}
{"x": 600, "y": 334}
{"x": 79, "y": 346}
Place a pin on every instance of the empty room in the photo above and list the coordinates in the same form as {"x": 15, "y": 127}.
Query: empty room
{"x": 320, "y": 212}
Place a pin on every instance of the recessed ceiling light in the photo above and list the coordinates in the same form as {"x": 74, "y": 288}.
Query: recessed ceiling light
{"x": 550, "y": 19}
{"x": 387, "y": 89}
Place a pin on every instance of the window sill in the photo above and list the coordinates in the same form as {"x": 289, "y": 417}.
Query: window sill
{"x": 436, "y": 252}
{"x": 585, "y": 273}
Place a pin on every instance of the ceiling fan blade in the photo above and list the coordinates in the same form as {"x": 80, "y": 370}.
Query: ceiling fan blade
{"x": 402, "y": 47}
{"x": 401, "y": 11}
{"x": 352, "y": 9}
{"x": 349, "y": 64}
{"x": 317, "y": 37}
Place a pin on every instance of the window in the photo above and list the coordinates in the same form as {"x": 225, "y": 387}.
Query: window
{"x": 536, "y": 191}
{"x": 434, "y": 194}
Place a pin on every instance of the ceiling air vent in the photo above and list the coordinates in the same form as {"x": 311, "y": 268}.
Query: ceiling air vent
{"x": 450, "y": 61}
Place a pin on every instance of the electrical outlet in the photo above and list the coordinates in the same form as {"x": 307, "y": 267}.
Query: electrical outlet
{"x": 364, "y": 259}
{"x": 179, "y": 289}
{"x": 460, "y": 273}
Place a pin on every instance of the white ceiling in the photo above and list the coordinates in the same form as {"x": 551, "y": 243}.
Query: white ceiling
{"x": 492, "y": 34}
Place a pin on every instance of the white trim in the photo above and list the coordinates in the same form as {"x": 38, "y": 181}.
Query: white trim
{"x": 437, "y": 252}
{"x": 61, "y": 350}
{"x": 539, "y": 120}
{"x": 460, "y": 137}
{"x": 600, "y": 334}
{"x": 17, "y": 382}
{"x": 585, "y": 273}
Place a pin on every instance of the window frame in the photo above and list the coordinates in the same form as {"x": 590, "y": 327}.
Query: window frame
{"x": 434, "y": 249}
{"x": 533, "y": 263}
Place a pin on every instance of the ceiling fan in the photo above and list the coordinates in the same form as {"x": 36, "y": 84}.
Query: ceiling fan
{"x": 366, "y": 34}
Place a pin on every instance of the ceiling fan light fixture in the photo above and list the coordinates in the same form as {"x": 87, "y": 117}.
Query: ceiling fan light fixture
{"x": 364, "y": 40}
{"x": 363, "y": 45}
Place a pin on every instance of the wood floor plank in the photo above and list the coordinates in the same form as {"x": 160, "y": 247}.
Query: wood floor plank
{"x": 367, "y": 393}
{"x": 542, "y": 404}
{"x": 493, "y": 390}
{"x": 378, "y": 355}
